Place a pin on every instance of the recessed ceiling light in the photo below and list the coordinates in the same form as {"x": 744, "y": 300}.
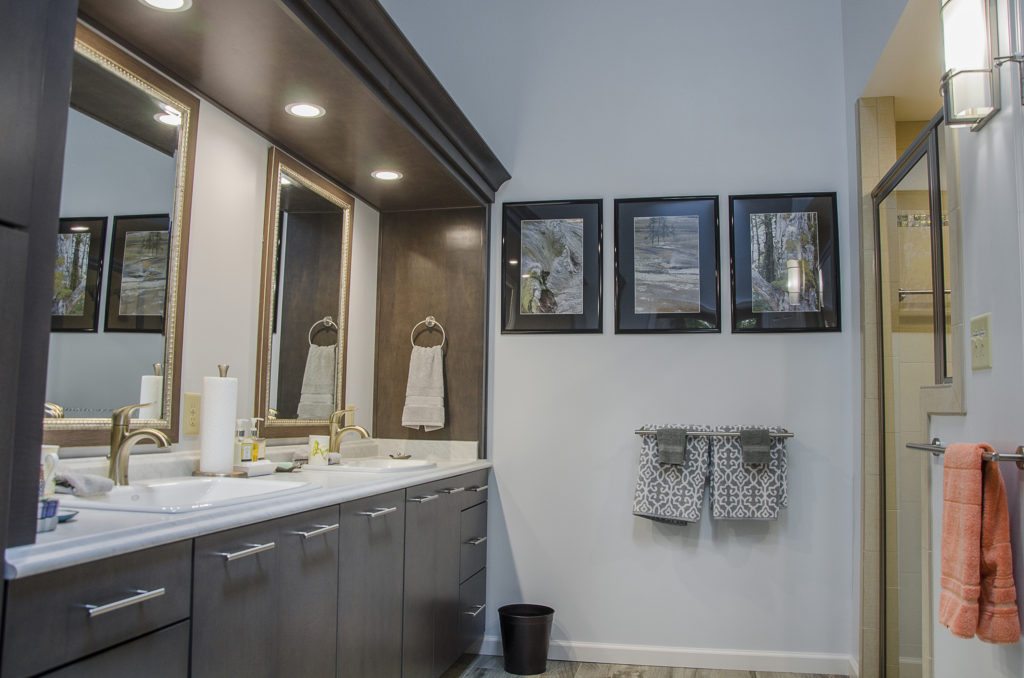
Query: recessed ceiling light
{"x": 168, "y": 5}
{"x": 168, "y": 118}
{"x": 386, "y": 175}
{"x": 79, "y": 229}
{"x": 303, "y": 110}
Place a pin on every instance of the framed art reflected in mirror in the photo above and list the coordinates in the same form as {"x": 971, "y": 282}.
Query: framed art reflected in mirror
{"x": 551, "y": 264}
{"x": 784, "y": 251}
{"x": 138, "y": 274}
{"x": 666, "y": 265}
{"x": 78, "y": 274}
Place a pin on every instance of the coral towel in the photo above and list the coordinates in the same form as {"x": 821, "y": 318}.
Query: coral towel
{"x": 978, "y": 594}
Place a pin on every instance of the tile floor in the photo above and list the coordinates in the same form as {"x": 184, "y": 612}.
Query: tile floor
{"x": 482, "y": 666}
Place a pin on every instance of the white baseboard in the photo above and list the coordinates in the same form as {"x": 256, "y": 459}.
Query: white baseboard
{"x": 692, "y": 657}
{"x": 854, "y": 668}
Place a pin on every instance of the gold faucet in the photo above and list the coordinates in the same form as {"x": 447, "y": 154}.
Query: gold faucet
{"x": 340, "y": 426}
{"x": 53, "y": 410}
{"x": 122, "y": 441}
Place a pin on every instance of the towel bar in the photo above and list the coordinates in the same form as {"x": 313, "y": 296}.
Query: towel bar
{"x": 937, "y": 448}
{"x": 715, "y": 434}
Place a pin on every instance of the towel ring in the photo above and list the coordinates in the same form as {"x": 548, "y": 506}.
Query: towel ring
{"x": 326, "y": 321}
{"x": 431, "y": 323}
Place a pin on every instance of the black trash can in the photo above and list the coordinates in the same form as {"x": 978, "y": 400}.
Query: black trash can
{"x": 525, "y": 633}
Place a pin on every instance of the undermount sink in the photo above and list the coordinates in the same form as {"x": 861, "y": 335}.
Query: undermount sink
{"x": 182, "y": 495}
{"x": 375, "y": 465}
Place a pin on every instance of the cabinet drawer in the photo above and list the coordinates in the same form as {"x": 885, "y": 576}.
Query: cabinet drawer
{"x": 476, "y": 487}
{"x": 162, "y": 654}
{"x": 473, "y": 533}
{"x": 57, "y": 617}
{"x": 472, "y": 610}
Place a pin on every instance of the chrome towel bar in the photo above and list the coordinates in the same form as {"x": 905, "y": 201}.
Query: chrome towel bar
{"x": 937, "y": 448}
{"x": 713, "y": 434}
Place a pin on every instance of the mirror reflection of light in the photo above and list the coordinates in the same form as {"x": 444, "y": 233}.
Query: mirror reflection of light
{"x": 168, "y": 5}
{"x": 285, "y": 181}
{"x": 513, "y": 262}
{"x": 172, "y": 119}
{"x": 79, "y": 228}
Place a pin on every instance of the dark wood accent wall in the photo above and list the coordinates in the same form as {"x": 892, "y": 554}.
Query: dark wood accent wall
{"x": 309, "y": 292}
{"x": 432, "y": 262}
{"x": 36, "y": 47}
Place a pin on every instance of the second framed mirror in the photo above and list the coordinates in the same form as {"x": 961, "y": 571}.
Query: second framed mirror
{"x": 304, "y": 297}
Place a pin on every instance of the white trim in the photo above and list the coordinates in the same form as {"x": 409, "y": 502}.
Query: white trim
{"x": 692, "y": 657}
{"x": 854, "y": 667}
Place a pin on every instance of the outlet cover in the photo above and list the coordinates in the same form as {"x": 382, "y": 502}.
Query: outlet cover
{"x": 190, "y": 425}
{"x": 981, "y": 342}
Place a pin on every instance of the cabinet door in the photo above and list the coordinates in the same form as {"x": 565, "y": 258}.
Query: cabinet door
{"x": 305, "y": 622}
{"x": 423, "y": 512}
{"x": 447, "y": 533}
{"x": 233, "y": 603}
{"x": 162, "y": 654}
{"x": 370, "y": 589}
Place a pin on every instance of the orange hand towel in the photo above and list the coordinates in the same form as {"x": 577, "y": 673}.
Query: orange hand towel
{"x": 978, "y": 594}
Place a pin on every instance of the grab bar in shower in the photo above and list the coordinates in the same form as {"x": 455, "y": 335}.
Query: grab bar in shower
{"x": 937, "y": 448}
{"x": 903, "y": 294}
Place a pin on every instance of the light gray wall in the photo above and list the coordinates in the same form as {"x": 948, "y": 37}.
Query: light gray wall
{"x": 106, "y": 173}
{"x": 608, "y": 99}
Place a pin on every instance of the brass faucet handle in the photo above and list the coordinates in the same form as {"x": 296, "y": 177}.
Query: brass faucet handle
{"x": 122, "y": 416}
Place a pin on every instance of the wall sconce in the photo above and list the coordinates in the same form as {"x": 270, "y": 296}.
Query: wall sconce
{"x": 970, "y": 86}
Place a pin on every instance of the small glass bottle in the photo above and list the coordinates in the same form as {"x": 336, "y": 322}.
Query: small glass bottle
{"x": 258, "y": 444}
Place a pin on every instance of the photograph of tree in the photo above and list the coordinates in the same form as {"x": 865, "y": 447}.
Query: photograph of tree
{"x": 144, "y": 273}
{"x": 666, "y": 256}
{"x": 70, "y": 274}
{"x": 785, "y": 262}
{"x": 551, "y": 262}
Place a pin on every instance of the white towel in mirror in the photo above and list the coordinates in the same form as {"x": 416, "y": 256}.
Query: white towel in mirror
{"x": 317, "y": 398}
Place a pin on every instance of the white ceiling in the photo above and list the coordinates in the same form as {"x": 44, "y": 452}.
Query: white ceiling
{"x": 911, "y": 63}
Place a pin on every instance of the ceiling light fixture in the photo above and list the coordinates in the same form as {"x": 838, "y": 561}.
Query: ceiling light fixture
{"x": 386, "y": 175}
{"x": 304, "y": 110}
{"x": 168, "y": 5}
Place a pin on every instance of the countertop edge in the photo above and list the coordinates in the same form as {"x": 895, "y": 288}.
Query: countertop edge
{"x": 33, "y": 559}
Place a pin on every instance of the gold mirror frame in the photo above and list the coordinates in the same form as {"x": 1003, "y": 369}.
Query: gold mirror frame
{"x": 279, "y": 162}
{"x": 99, "y": 50}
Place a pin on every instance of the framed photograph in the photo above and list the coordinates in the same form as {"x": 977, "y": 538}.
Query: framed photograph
{"x": 138, "y": 274}
{"x": 551, "y": 262}
{"x": 784, "y": 252}
{"x": 666, "y": 265}
{"x": 78, "y": 274}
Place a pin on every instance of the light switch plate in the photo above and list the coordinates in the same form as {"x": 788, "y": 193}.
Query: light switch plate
{"x": 190, "y": 426}
{"x": 981, "y": 342}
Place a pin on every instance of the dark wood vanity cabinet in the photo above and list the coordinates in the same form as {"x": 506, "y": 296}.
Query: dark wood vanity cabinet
{"x": 161, "y": 654}
{"x": 265, "y": 598}
{"x": 370, "y": 586}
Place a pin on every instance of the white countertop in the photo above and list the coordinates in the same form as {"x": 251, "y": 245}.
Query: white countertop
{"x": 96, "y": 534}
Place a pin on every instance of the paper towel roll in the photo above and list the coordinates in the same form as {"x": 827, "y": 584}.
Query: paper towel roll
{"x": 151, "y": 391}
{"x": 217, "y": 437}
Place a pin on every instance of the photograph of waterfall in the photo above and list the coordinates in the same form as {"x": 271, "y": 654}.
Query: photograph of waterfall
{"x": 552, "y": 266}
{"x": 784, "y": 262}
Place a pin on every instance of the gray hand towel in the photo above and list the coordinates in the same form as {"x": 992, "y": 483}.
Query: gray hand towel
{"x": 316, "y": 400}
{"x": 83, "y": 484}
{"x": 671, "y": 445}
{"x": 756, "y": 444}
{"x": 671, "y": 493}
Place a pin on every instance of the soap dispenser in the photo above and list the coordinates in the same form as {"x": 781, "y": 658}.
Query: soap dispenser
{"x": 258, "y": 443}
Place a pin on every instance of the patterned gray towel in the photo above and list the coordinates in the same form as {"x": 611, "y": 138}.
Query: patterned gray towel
{"x": 671, "y": 493}
{"x": 742, "y": 491}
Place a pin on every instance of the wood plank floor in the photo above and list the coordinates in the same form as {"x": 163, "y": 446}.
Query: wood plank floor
{"x": 483, "y": 666}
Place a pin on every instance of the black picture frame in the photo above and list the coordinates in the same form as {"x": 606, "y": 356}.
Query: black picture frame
{"x": 810, "y": 300}
{"x": 69, "y": 239}
{"x": 140, "y": 276}
{"x": 661, "y": 310}
{"x": 580, "y": 219}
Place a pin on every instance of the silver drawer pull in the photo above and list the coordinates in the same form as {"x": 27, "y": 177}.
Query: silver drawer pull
{"x": 478, "y": 488}
{"x": 377, "y": 512}
{"x": 477, "y": 609}
{"x": 139, "y": 597}
{"x": 319, "y": 529}
{"x": 476, "y": 541}
{"x": 453, "y": 490}
{"x": 251, "y": 551}
{"x": 424, "y": 498}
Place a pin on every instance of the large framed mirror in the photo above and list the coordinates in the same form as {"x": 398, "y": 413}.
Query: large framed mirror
{"x": 120, "y": 269}
{"x": 304, "y": 299}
